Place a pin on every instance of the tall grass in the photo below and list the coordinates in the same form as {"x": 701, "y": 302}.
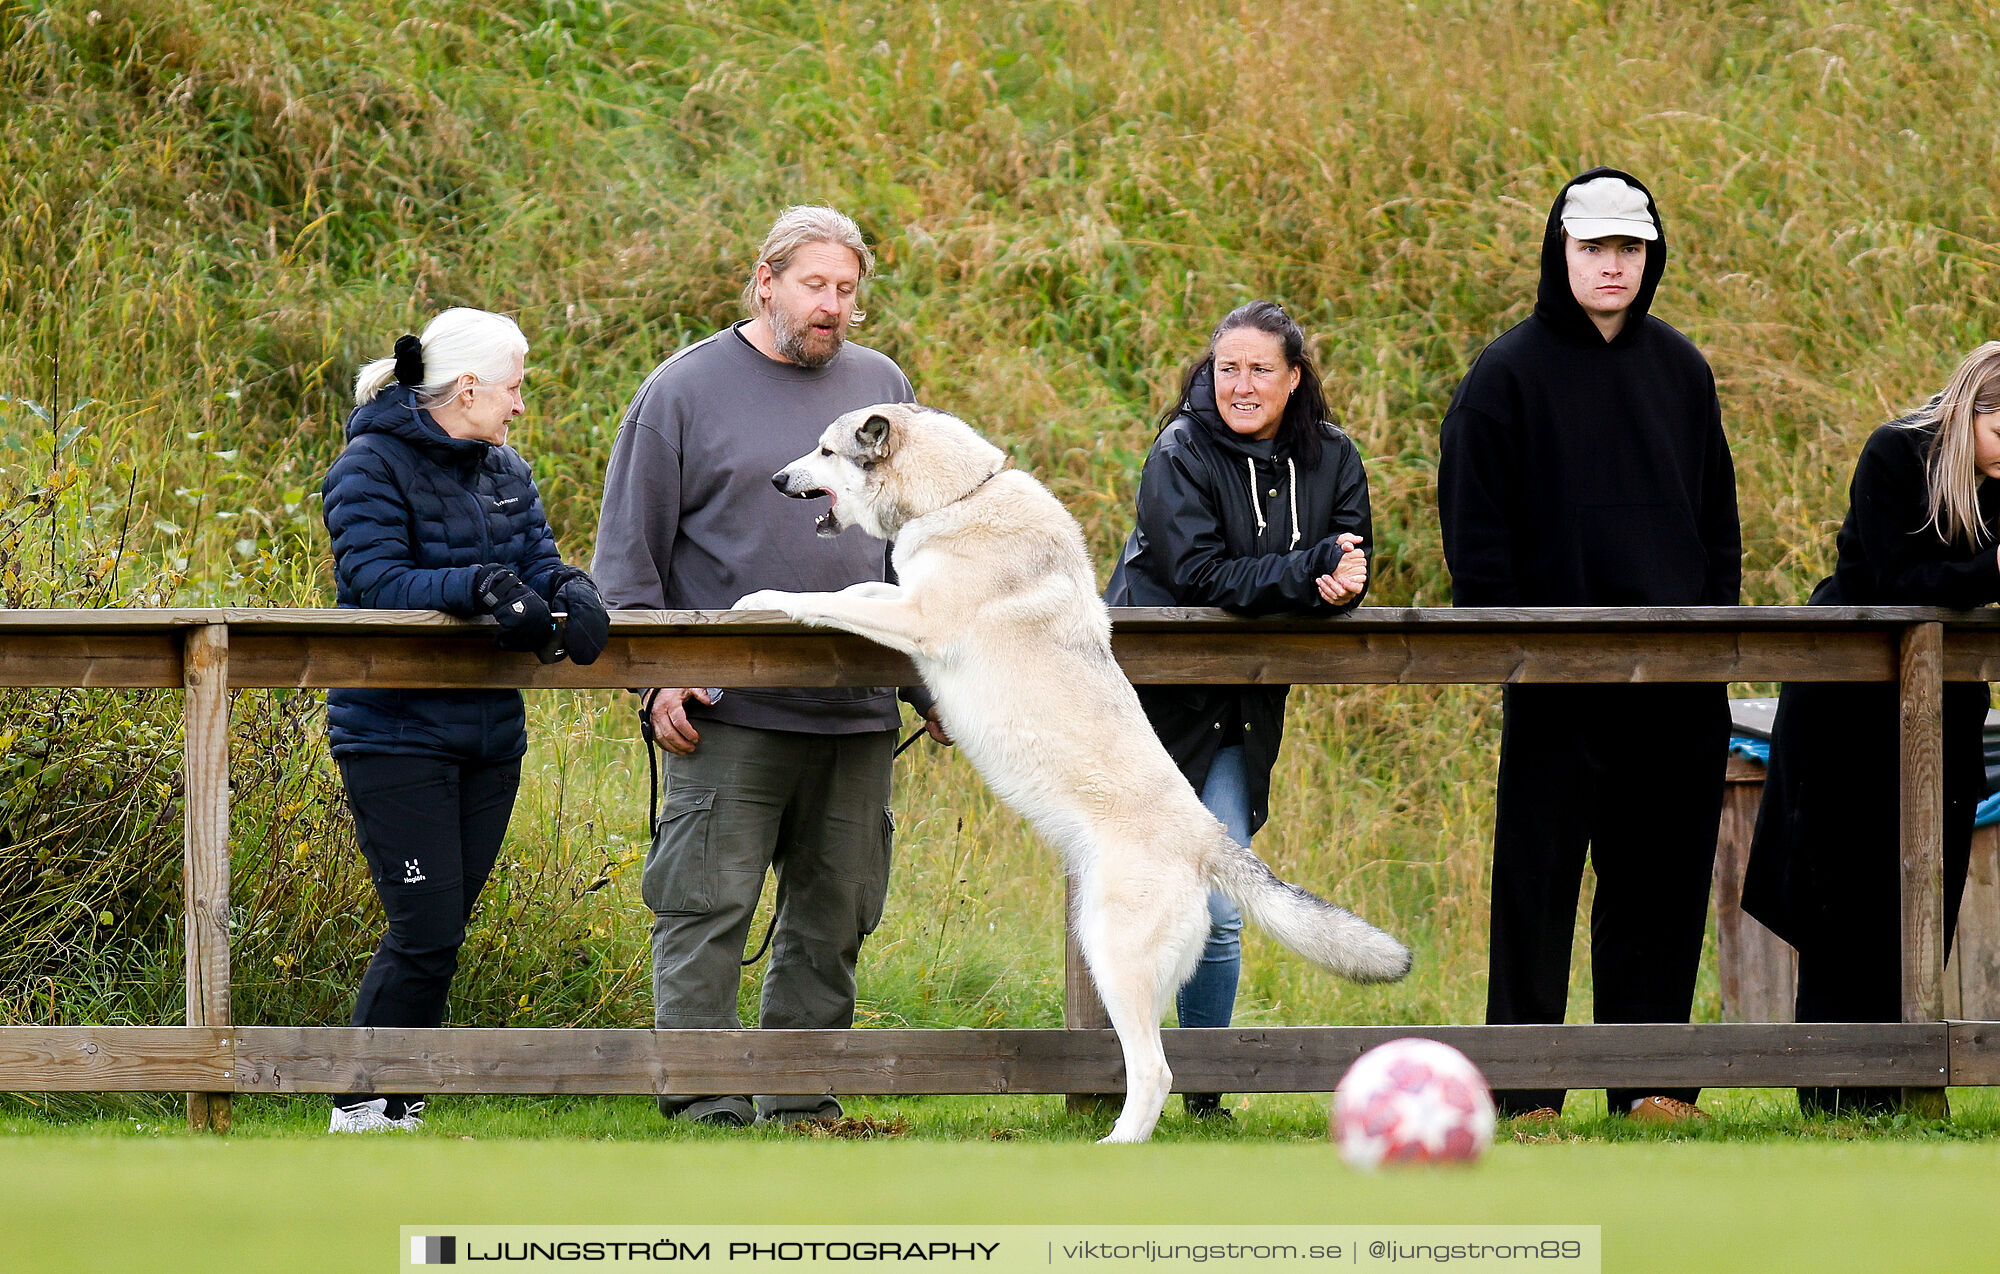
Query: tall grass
{"x": 214, "y": 213}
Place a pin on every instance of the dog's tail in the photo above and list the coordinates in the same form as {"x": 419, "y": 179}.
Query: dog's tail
{"x": 1305, "y": 922}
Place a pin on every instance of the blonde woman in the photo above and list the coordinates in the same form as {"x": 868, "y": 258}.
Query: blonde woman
{"x": 1922, "y": 529}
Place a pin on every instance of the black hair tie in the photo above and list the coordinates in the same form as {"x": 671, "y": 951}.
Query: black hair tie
{"x": 409, "y": 360}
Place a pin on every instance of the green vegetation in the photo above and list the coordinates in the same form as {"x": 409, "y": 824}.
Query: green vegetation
{"x": 305, "y": 1202}
{"x": 214, "y": 213}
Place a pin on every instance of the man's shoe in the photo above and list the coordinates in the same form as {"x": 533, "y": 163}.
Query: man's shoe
{"x": 826, "y": 1111}
{"x": 1205, "y": 1106}
{"x": 1665, "y": 1110}
{"x": 412, "y": 1118}
{"x": 717, "y": 1112}
{"x": 366, "y": 1117}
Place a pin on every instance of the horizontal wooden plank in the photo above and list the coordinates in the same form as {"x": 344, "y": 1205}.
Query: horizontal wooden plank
{"x": 1555, "y": 618}
{"x": 1294, "y": 1059}
{"x": 1339, "y": 655}
{"x": 321, "y": 648}
{"x": 116, "y": 1059}
{"x": 1975, "y": 1053}
{"x": 109, "y": 659}
{"x": 469, "y": 660}
{"x": 1971, "y": 652}
{"x": 1291, "y": 1059}
{"x": 1327, "y": 655}
{"x": 1980, "y": 623}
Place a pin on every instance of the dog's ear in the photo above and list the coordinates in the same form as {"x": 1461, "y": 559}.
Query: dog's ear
{"x": 873, "y": 437}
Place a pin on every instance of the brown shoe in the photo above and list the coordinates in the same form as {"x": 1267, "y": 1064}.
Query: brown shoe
{"x": 1539, "y": 1115}
{"x": 1665, "y": 1110}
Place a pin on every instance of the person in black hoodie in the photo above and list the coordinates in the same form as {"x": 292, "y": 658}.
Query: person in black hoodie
{"x": 1922, "y": 522}
{"x": 1251, "y": 501}
{"x": 429, "y": 509}
{"x": 1584, "y": 464}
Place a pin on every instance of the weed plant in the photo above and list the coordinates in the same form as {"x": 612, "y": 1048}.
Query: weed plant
{"x": 215, "y": 213}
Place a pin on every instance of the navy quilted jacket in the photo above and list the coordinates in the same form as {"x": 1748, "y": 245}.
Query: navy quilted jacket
{"x": 414, "y": 514}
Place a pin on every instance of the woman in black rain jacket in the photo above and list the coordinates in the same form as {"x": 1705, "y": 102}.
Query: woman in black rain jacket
{"x": 1250, "y": 501}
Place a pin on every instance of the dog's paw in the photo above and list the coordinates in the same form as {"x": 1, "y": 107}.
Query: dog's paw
{"x": 764, "y": 599}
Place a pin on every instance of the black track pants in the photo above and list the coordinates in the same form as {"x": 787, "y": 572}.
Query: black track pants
{"x": 1631, "y": 775}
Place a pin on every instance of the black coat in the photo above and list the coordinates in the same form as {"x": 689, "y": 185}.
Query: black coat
{"x": 1198, "y": 541}
{"x": 1577, "y": 471}
{"x": 414, "y": 514}
{"x": 1824, "y": 865}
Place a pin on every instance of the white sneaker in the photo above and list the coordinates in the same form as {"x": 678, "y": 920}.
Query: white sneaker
{"x": 369, "y": 1116}
{"x": 413, "y": 1116}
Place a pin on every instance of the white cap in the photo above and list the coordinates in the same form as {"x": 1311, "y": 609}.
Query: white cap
{"x": 1605, "y": 206}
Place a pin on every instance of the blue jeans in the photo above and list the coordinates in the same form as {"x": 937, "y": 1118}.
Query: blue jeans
{"x": 1210, "y": 994}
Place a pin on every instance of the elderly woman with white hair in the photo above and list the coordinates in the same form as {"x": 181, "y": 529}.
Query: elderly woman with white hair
{"x": 429, "y": 509}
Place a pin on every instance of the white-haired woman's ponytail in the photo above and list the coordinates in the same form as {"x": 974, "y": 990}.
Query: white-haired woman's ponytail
{"x": 374, "y": 378}
{"x": 459, "y": 342}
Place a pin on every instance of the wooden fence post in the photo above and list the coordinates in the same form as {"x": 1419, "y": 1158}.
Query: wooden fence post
{"x": 1757, "y": 970}
{"x": 1922, "y": 739}
{"x": 205, "y": 846}
{"x": 1082, "y": 1010}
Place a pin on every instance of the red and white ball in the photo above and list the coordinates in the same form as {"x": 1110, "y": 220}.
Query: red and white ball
{"x": 1412, "y": 1101}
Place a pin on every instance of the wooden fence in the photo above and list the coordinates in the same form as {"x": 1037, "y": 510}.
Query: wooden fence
{"x": 211, "y": 652}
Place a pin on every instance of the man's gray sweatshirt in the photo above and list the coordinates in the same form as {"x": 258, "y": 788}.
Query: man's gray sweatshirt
{"x": 692, "y": 522}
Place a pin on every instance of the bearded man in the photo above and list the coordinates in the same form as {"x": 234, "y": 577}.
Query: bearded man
{"x": 794, "y": 781}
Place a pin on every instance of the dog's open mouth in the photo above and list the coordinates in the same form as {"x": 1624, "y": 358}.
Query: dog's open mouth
{"x": 825, "y": 525}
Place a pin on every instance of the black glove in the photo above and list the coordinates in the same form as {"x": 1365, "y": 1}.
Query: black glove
{"x": 525, "y": 622}
{"x": 589, "y": 627}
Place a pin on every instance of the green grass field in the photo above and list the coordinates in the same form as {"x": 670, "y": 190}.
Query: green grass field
{"x": 279, "y": 1196}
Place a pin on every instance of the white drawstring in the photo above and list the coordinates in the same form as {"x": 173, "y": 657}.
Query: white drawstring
{"x": 1293, "y": 471}
{"x": 1257, "y": 505}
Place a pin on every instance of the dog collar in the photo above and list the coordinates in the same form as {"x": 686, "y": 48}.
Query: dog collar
{"x": 1006, "y": 463}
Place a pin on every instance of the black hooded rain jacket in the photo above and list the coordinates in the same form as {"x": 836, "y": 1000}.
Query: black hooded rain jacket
{"x": 1228, "y": 521}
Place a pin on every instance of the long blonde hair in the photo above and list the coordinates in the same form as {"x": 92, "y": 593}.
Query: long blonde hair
{"x": 1953, "y": 478}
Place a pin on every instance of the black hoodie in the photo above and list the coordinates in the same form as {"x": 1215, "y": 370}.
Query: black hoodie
{"x": 1577, "y": 471}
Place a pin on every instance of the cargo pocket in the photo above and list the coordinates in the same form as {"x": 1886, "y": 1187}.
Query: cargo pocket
{"x": 679, "y": 876}
{"x": 876, "y": 887}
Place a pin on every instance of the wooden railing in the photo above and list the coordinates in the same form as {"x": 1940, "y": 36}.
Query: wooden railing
{"x": 210, "y": 652}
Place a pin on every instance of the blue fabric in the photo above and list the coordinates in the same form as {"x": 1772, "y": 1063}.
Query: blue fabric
{"x": 1209, "y": 997}
{"x": 414, "y": 514}
{"x": 1756, "y": 749}
{"x": 1986, "y": 815}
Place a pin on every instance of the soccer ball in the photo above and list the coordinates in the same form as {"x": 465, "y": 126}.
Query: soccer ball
{"x": 1412, "y": 1101}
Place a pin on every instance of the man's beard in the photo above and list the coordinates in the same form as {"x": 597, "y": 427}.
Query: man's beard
{"x": 793, "y": 336}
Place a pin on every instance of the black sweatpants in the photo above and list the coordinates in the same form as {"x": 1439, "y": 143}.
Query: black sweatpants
{"x": 430, "y": 829}
{"x": 1633, "y": 776}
